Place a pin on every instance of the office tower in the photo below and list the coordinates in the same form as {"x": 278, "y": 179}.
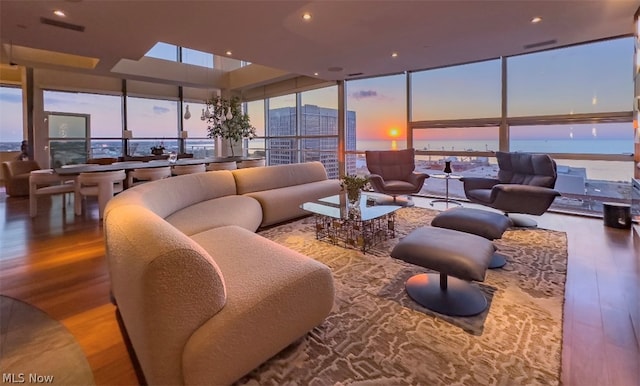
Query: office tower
{"x": 316, "y": 140}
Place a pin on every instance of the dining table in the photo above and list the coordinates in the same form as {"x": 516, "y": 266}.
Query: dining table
{"x": 127, "y": 166}
{"x": 130, "y": 165}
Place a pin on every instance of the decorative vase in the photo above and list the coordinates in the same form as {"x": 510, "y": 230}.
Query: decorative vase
{"x": 353, "y": 195}
{"x": 447, "y": 167}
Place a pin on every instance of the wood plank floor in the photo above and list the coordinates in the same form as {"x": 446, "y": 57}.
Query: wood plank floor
{"x": 56, "y": 262}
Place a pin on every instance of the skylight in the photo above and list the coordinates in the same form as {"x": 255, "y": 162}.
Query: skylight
{"x": 163, "y": 51}
{"x": 169, "y": 52}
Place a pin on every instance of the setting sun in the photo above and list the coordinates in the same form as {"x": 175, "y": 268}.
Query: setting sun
{"x": 393, "y": 132}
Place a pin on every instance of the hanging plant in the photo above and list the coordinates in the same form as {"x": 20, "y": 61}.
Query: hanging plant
{"x": 226, "y": 120}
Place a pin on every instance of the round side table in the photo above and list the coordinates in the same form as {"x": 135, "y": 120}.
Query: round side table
{"x": 446, "y": 177}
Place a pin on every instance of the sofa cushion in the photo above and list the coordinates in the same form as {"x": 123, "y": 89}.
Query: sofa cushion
{"x": 490, "y": 225}
{"x": 450, "y": 252}
{"x": 274, "y": 296}
{"x": 169, "y": 195}
{"x": 273, "y": 177}
{"x": 283, "y": 204}
{"x": 229, "y": 210}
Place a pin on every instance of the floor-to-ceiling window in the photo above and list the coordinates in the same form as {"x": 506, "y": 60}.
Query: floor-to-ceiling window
{"x": 256, "y": 147}
{"x": 11, "y": 121}
{"x": 104, "y": 133}
{"x": 455, "y": 116}
{"x": 197, "y": 141}
{"x": 319, "y": 127}
{"x": 282, "y": 130}
{"x": 377, "y": 111}
{"x": 299, "y": 127}
{"x": 575, "y": 103}
{"x": 154, "y": 122}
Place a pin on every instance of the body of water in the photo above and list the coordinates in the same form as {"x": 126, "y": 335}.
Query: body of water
{"x": 581, "y": 146}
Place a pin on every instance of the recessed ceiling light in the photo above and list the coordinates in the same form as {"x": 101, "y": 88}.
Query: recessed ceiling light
{"x": 394, "y": 54}
{"x": 306, "y": 16}
{"x": 60, "y": 13}
{"x": 536, "y": 19}
{"x": 229, "y": 53}
{"x": 315, "y": 74}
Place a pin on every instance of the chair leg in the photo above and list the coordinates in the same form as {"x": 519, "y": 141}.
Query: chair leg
{"x": 77, "y": 203}
{"x": 33, "y": 204}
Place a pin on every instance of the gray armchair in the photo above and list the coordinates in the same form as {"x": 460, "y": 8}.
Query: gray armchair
{"x": 524, "y": 185}
{"x": 392, "y": 173}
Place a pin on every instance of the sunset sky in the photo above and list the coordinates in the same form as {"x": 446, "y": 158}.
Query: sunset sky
{"x": 546, "y": 83}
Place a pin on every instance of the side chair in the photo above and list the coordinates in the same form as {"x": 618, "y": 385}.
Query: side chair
{"x": 46, "y": 182}
{"x": 101, "y": 184}
{"x": 16, "y": 176}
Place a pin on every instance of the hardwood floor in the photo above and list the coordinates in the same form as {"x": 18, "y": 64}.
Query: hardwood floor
{"x": 56, "y": 262}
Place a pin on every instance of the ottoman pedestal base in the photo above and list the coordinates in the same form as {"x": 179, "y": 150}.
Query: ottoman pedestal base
{"x": 497, "y": 261}
{"x": 446, "y": 295}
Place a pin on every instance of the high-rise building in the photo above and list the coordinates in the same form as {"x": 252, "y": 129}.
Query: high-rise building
{"x": 316, "y": 140}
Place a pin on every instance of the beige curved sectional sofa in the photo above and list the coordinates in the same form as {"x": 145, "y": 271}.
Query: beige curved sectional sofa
{"x": 205, "y": 299}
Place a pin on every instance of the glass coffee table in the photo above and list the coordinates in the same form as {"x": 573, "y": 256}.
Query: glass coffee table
{"x": 361, "y": 225}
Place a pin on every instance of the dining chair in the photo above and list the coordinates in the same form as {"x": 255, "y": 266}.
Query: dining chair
{"x": 251, "y": 163}
{"x": 188, "y": 169}
{"x": 46, "y": 182}
{"x": 228, "y": 165}
{"x": 101, "y": 184}
{"x": 139, "y": 176}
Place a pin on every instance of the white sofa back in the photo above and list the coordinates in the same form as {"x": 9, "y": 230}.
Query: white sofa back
{"x": 282, "y": 189}
{"x": 258, "y": 179}
{"x": 169, "y": 195}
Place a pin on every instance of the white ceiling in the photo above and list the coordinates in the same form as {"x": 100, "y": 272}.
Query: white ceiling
{"x": 356, "y": 37}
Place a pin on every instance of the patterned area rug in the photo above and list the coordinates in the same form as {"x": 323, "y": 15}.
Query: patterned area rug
{"x": 376, "y": 335}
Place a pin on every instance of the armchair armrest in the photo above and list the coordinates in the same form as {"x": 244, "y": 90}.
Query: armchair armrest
{"x": 471, "y": 183}
{"x": 377, "y": 182}
{"x": 417, "y": 179}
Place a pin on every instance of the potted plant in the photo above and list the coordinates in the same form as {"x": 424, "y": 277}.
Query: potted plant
{"x": 226, "y": 120}
{"x": 157, "y": 149}
{"x": 353, "y": 185}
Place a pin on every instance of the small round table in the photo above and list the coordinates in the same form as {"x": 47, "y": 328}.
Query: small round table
{"x": 446, "y": 199}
